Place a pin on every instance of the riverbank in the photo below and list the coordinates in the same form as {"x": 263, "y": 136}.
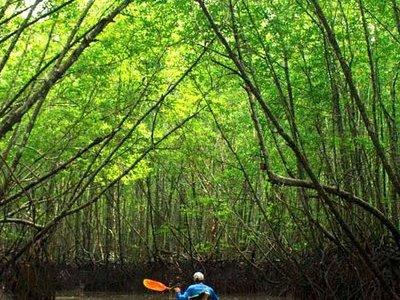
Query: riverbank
{"x": 43, "y": 280}
{"x": 227, "y": 277}
{"x": 308, "y": 275}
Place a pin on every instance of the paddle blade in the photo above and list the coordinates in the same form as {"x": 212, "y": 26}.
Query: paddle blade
{"x": 155, "y": 285}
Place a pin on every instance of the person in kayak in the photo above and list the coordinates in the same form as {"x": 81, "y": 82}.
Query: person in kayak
{"x": 197, "y": 291}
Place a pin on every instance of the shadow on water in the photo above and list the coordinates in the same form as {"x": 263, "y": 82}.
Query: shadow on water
{"x": 110, "y": 296}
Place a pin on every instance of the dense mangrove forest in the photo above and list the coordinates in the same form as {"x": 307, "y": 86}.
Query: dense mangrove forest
{"x": 255, "y": 141}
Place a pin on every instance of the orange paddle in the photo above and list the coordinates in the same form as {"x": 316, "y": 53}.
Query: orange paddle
{"x": 155, "y": 285}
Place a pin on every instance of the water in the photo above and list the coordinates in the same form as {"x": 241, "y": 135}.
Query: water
{"x": 153, "y": 296}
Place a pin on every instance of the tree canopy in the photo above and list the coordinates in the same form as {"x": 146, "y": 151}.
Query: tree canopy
{"x": 170, "y": 129}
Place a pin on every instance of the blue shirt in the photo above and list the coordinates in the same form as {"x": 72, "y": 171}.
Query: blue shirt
{"x": 195, "y": 290}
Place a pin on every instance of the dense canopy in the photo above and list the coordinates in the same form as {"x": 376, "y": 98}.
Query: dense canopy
{"x": 176, "y": 130}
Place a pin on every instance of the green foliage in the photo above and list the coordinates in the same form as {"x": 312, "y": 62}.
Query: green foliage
{"x": 192, "y": 190}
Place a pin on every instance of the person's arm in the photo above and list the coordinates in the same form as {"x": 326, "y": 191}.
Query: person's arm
{"x": 180, "y": 295}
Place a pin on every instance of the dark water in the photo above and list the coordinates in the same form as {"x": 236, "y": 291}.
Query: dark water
{"x": 108, "y": 296}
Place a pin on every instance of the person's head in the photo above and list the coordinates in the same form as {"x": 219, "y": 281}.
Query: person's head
{"x": 198, "y": 277}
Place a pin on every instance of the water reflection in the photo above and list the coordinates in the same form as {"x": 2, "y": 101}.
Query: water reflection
{"x": 108, "y": 296}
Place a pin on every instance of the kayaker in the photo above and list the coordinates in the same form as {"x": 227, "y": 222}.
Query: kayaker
{"x": 197, "y": 291}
